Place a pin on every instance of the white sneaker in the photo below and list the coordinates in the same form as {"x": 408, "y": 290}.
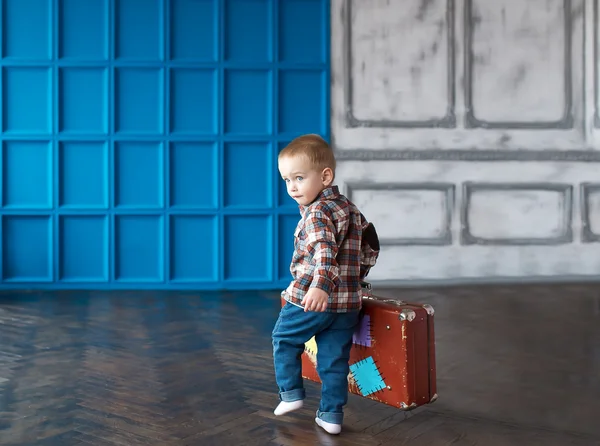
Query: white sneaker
{"x": 288, "y": 406}
{"x": 330, "y": 428}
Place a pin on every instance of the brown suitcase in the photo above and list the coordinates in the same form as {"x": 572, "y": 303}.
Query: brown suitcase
{"x": 392, "y": 359}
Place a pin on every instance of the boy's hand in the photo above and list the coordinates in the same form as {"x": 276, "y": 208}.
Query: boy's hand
{"x": 315, "y": 300}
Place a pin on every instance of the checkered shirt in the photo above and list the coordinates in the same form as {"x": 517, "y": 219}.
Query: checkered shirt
{"x": 330, "y": 253}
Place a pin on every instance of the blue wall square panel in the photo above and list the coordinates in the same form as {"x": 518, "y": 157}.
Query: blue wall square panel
{"x": 83, "y": 241}
{"x": 139, "y": 139}
{"x": 303, "y": 47}
{"x": 27, "y": 248}
{"x": 247, "y": 174}
{"x": 298, "y": 112}
{"x": 139, "y": 100}
{"x": 26, "y": 97}
{"x": 26, "y": 29}
{"x": 248, "y": 247}
{"x": 83, "y": 29}
{"x": 138, "y": 175}
{"x": 138, "y": 29}
{"x": 82, "y": 100}
{"x": 193, "y": 26}
{"x": 248, "y": 101}
{"x": 248, "y": 35}
{"x": 83, "y": 175}
{"x": 27, "y": 173}
{"x": 194, "y": 176}
{"x": 193, "y": 101}
{"x": 139, "y": 255}
{"x": 194, "y": 248}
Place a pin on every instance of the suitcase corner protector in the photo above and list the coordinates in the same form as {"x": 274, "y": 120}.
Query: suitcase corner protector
{"x": 429, "y": 309}
{"x": 405, "y": 406}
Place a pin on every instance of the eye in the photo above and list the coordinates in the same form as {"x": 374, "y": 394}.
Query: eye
{"x": 299, "y": 178}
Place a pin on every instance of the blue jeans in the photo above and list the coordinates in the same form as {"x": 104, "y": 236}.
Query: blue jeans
{"x": 333, "y": 333}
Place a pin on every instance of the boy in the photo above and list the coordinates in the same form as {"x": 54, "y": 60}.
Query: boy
{"x": 334, "y": 249}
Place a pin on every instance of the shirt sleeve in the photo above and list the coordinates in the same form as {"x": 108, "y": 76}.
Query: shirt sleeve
{"x": 369, "y": 251}
{"x": 322, "y": 246}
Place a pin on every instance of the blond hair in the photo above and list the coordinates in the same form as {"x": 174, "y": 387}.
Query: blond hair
{"x": 314, "y": 148}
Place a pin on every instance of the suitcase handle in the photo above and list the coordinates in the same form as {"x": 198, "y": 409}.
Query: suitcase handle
{"x": 367, "y": 294}
{"x": 366, "y": 286}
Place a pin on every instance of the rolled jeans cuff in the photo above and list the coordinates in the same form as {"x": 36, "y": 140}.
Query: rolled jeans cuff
{"x": 292, "y": 395}
{"x": 331, "y": 417}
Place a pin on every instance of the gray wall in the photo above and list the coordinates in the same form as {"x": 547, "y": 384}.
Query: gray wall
{"x": 467, "y": 130}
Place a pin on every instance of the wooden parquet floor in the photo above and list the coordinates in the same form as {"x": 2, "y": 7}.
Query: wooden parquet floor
{"x": 177, "y": 368}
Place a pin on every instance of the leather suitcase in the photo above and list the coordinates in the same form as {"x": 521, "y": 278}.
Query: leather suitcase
{"x": 392, "y": 359}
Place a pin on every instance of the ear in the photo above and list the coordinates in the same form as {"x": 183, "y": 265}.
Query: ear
{"x": 327, "y": 176}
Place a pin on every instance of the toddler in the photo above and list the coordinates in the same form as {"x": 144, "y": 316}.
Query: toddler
{"x": 334, "y": 249}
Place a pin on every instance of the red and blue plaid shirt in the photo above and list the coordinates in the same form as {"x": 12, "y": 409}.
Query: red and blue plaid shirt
{"x": 334, "y": 249}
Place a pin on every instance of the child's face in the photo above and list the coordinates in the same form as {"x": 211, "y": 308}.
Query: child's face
{"x": 303, "y": 182}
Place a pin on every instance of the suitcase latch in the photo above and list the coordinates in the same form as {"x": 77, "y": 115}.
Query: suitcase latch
{"x": 407, "y": 315}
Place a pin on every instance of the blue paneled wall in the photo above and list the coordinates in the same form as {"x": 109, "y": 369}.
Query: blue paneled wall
{"x": 139, "y": 139}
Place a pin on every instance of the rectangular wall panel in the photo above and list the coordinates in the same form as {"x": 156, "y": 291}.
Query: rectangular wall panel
{"x": 138, "y": 174}
{"x": 83, "y": 247}
{"x": 193, "y": 22}
{"x": 193, "y": 101}
{"x": 243, "y": 87}
{"x": 27, "y": 175}
{"x": 241, "y": 160}
{"x": 517, "y": 213}
{"x": 139, "y": 100}
{"x": 83, "y": 175}
{"x": 139, "y": 139}
{"x": 298, "y": 111}
{"x": 26, "y": 100}
{"x": 407, "y": 213}
{"x": 139, "y": 248}
{"x": 83, "y": 29}
{"x": 139, "y": 36}
{"x": 514, "y": 64}
{"x": 247, "y": 248}
{"x": 193, "y": 246}
{"x": 83, "y": 104}
{"x": 297, "y": 47}
{"x": 399, "y": 64}
{"x": 27, "y": 248}
{"x": 194, "y": 176}
{"x": 33, "y": 41}
{"x": 253, "y": 19}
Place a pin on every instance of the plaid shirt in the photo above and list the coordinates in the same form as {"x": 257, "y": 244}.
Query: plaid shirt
{"x": 330, "y": 252}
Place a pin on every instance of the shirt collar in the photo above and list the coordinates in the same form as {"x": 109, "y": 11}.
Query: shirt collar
{"x": 330, "y": 192}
